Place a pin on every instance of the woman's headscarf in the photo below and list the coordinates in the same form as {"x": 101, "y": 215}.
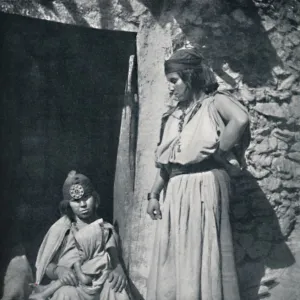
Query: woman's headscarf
{"x": 184, "y": 59}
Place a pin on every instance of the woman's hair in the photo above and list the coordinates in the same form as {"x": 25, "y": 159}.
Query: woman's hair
{"x": 66, "y": 210}
{"x": 201, "y": 79}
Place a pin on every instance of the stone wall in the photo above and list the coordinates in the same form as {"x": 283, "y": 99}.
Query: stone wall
{"x": 254, "y": 48}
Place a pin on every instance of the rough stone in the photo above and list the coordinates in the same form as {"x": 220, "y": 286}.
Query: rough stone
{"x": 245, "y": 240}
{"x": 270, "y": 109}
{"x": 260, "y": 94}
{"x": 279, "y": 71}
{"x": 266, "y": 146}
{"x": 282, "y": 145}
{"x": 264, "y": 232}
{"x": 239, "y": 253}
{"x": 276, "y": 39}
{"x": 294, "y": 107}
{"x": 294, "y": 156}
{"x": 268, "y": 23}
{"x": 295, "y": 147}
{"x": 291, "y": 184}
{"x": 259, "y": 249}
{"x": 246, "y": 94}
{"x": 271, "y": 184}
{"x": 240, "y": 210}
{"x": 284, "y": 135}
{"x": 294, "y": 37}
{"x": 279, "y": 95}
{"x": 261, "y": 160}
{"x": 296, "y": 89}
{"x": 286, "y": 222}
{"x": 287, "y": 83}
{"x": 258, "y": 174}
{"x": 283, "y": 165}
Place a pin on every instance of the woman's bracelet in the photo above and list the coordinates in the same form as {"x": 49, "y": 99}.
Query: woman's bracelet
{"x": 153, "y": 196}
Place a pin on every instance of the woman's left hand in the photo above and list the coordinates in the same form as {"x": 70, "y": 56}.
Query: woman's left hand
{"x": 117, "y": 279}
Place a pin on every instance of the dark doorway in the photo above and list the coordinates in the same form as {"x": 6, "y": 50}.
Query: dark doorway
{"x": 62, "y": 90}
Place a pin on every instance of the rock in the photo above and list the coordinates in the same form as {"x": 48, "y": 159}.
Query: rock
{"x": 273, "y": 143}
{"x": 294, "y": 37}
{"x": 275, "y": 197}
{"x": 286, "y": 222}
{"x": 264, "y": 233}
{"x": 240, "y": 210}
{"x": 284, "y": 53}
{"x": 279, "y": 95}
{"x": 287, "y": 83}
{"x": 261, "y": 160}
{"x": 244, "y": 227}
{"x": 272, "y": 184}
{"x": 239, "y": 253}
{"x": 284, "y": 135}
{"x": 294, "y": 107}
{"x": 266, "y": 146}
{"x": 246, "y": 94}
{"x": 271, "y": 110}
{"x": 261, "y": 208}
{"x": 284, "y": 166}
{"x": 261, "y": 131}
{"x": 268, "y": 23}
{"x": 294, "y": 156}
{"x": 260, "y": 94}
{"x": 245, "y": 240}
{"x": 239, "y": 16}
{"x": 291, "y": 184}
{"x": 258, "y": 174}
{"x": 276, "y": 39}
{"x": 295, "y": 147}
{"x": 263, "y": 291}
{"x": 259, "y": 249}
{"x": 279, "y": 71}
{"x": 284, "y": 27}
{"x": 297, "y": 136}
{"x": 282, "y": 145}
{"x": 296, "y": 89}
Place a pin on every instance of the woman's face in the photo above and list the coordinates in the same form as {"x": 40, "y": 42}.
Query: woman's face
{"x": 179, "y": 91}
{"x": 83, "y": 208}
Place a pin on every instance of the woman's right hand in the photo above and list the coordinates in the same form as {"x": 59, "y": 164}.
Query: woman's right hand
{"x": 153, "y": 209}
{"x": 66, "y": 275}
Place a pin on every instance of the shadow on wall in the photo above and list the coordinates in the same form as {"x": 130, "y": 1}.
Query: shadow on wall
{"x": 227, "y": 31}
{"x": 131, "y": 289}
{"x": 259, "y": 243}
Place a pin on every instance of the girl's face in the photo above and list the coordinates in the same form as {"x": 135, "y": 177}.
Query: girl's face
{"x": 178, "y": 89}
{"x": 83, "y": 208}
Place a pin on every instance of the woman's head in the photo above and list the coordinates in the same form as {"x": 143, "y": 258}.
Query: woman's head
{"x": 80, "y": 198}
{"x": 188, "y": 75}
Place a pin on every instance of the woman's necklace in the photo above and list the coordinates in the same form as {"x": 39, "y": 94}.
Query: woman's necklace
{"x": 191, "y": 108}
{"x": 181, "y": 123}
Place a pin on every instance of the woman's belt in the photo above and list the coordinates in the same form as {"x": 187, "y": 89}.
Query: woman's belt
{"x": 203, "y": 166}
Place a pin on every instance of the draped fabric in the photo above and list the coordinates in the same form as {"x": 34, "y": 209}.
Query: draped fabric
{"x": 67, "y": 245}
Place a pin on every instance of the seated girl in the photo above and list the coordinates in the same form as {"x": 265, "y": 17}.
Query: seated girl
{"x": 79, "y": 252}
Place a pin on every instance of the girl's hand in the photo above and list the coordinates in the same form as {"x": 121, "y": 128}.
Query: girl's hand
{"x": 117, "y": 279}
{"x": 153, "y": 209}
{"x": 66, "y": 275}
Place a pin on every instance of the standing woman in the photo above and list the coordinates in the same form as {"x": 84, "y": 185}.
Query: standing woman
{"x": 202, "y": 141}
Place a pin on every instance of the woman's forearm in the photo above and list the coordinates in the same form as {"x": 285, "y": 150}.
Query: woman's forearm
{"x": 158, "y": 184}
{"x": 231, "y": 134}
